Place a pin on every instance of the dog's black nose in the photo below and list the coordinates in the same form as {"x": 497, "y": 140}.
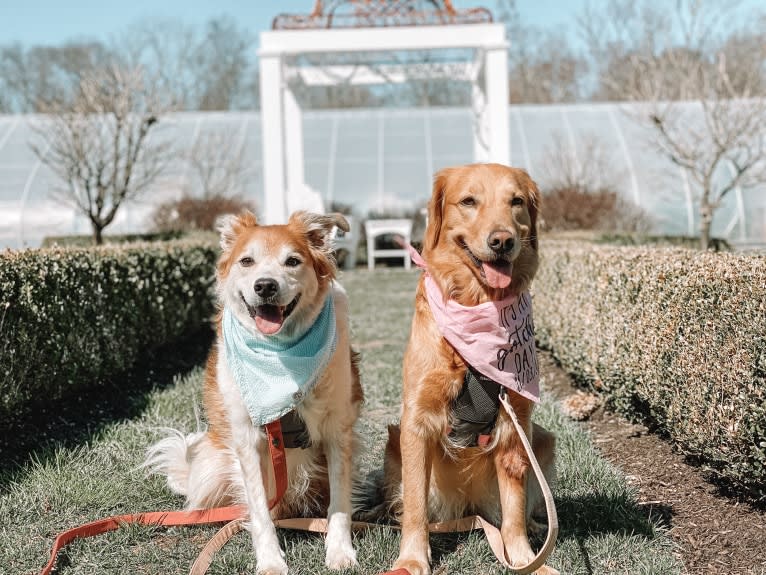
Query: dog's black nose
{"x": 266, "y": 287}
{"x": 500, "y": 242}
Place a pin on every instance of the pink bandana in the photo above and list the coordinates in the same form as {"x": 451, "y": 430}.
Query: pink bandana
{"x": 496, "y": 338}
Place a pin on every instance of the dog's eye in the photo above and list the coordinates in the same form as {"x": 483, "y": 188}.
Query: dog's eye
{"x": 292, "y": 262}
{"x": 246, "y": 262}
{"x": 468, "y": 201}
{"x": 517, "y": 201}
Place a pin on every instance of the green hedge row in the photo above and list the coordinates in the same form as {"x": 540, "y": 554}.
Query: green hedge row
{"x": 673, "y": 337}
{"x": 84, "y": 241}
{"x": 69, "y": 318}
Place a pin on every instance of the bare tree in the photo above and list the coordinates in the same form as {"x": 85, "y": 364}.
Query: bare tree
{"x": 219, "y": 168}
{"x": 589, "y": 165}
{"x": 701, "y": 88}
{"x": 99, "y": 145}
{"x": 213, "y": 69}
{"x": 581, "y": 189}
{"x": 222, "y": 61}
{"x": 218, "y": 161}
{"x": 32, "y": 78}
{"x": 544, "y": 67}
{"x": 723, "y": 151}
{"x": 167, "y": 50}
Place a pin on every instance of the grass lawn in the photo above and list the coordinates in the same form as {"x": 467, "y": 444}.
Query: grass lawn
{"x": 602, "y": 528}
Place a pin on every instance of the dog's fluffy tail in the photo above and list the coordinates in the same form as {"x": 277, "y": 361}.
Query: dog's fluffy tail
{"x": 193, "y": 467}
{"x": 171, "y": 457}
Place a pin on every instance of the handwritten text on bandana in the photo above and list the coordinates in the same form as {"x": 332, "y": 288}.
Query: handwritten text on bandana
{"x": 496, "y": 338}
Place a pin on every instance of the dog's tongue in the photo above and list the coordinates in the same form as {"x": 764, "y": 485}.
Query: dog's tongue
{"x": 268, "y": 319}
{"x": 498, "y": 276}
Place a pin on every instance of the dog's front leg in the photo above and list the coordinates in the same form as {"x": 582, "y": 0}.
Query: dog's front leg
{"x": 414, "y": 550}
{"x": 512, "y": 467}
{"x": 269, "y": 556}
{"x": 340, "y": 552}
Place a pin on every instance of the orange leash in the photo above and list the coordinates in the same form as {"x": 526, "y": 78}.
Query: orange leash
{"x": 234, "y": 516}
{"x": 492, "y": 533}
{"x": 161, "y": 518}
{"x": 179, "y": 518}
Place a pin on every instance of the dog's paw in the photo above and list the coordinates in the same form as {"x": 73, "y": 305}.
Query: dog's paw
{"x": 273, "y": 564}
{"x": 518, "y": 551}
{"x": 520, "y": 554}
{"x": 340, "y": 557}
{"x": 340, "y": 552}
{"x": 413, "y": 566}
{"x": 278, "y": 567}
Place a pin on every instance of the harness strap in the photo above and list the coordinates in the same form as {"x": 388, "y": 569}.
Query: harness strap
{"x": 278, "y": 459}
{"x": 473, "y": 413}
{"x": 294, "y": 431}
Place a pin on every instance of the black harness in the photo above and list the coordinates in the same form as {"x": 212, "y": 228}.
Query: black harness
{"x": 474, "y": 411}
{"x": 294, "y": 431}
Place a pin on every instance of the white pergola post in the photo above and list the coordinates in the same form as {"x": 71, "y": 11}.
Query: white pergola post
{"x": 496, "y": 90}
{"x": 293, "y": 142}
{"x": 481, "y": 123}
{"x": 272, "y": 143}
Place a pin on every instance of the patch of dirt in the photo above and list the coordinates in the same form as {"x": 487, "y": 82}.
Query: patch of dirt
{"x": 715, "y": 535}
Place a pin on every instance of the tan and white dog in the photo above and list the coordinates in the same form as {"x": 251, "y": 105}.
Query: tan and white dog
{"x": 277, "y": 291}
{"x": 481, "y": 252}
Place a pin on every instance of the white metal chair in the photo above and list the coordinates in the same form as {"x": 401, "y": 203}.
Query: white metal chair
{"x": 376, "y": 228}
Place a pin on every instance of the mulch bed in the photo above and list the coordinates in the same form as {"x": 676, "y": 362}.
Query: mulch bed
{"x": 714, "y": 534}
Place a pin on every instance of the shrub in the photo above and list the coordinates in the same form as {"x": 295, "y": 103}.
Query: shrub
{"x": 69, "y": 318}
{"x": 674, "y": 337}
{"x": 580, "y": 189}
{"x": 189, "y": 213}
{"x": 692, "y": 242}
{"x": 575, "y": 207}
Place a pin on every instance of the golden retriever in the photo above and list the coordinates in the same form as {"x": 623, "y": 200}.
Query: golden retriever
{"x": 480, "y": 246}
{"x": 276, "y": 290}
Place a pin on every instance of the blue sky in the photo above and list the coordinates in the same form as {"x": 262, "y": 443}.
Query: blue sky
{"x": 56, "y": 21}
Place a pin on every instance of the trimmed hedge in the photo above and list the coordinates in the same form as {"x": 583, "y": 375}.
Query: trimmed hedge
{"x": 692, "y": 242}
{"x": 673, "y": 337}
{"x": 72, "y": 317}
{"x": 85, "y": 241}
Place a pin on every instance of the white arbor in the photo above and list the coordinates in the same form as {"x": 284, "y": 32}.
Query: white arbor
{"x": 286, "y": 64}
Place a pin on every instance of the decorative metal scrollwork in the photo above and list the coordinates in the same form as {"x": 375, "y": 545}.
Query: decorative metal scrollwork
{"x": 380, "y": 13}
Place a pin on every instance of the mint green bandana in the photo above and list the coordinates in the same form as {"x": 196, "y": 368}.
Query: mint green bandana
{"x": 273, "y": 374}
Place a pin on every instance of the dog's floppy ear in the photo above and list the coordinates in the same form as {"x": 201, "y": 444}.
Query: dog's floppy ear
{"x": 436, "y": 207}
{"x": 318, "y": 231}
{"x": 533, "y": 202}
{"x": 318, "y": 228}
{"x": 230, "y": 225}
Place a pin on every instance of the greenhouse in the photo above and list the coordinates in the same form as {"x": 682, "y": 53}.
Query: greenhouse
{"x": 380, "y": 162}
